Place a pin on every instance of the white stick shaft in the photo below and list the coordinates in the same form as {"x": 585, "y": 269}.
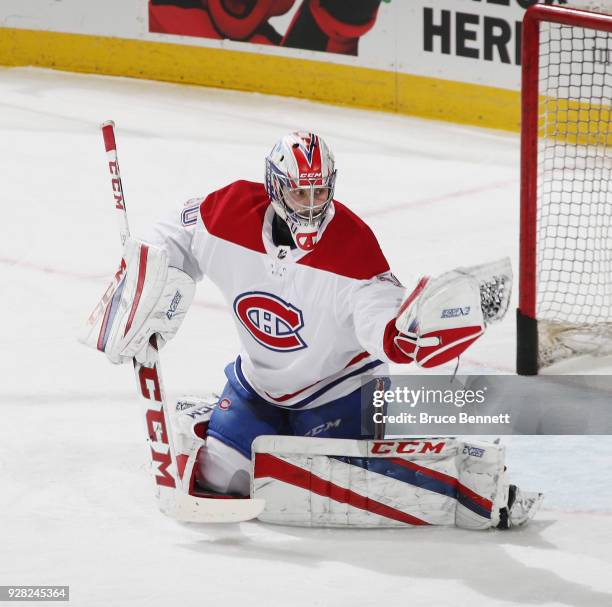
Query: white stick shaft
{"x": 172, "y": 492}
{"x": 148, "y": 375}
{"x": 108, "y": 132}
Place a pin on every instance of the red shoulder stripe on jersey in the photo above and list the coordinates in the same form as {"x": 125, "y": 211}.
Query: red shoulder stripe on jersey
{"x": 236, "y": 212}
{"x": 348, "y": 247}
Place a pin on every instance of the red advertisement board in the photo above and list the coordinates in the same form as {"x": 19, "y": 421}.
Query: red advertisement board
{"x": 333, "y": 26}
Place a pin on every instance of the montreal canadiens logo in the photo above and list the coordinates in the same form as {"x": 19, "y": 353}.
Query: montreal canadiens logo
{"x": 272, "y": 322}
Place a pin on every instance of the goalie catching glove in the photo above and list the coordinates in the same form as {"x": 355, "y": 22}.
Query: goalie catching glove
{"x": 444, "y": 315}
{"x": 146, "y": 297}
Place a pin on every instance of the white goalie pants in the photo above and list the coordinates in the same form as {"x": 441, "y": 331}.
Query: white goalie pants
{"x": 223, "y": 469}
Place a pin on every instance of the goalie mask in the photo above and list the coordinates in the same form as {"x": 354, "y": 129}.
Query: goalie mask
{"x": 300, "y": 179}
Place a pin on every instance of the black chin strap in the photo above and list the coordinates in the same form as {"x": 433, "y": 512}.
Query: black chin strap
{"x": 281, "y": 235}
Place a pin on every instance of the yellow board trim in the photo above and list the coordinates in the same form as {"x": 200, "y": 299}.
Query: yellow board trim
{"x": 320, "y": 81}
{"x": 579, "y": 123}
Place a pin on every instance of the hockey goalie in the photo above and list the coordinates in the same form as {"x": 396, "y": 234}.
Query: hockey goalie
{"x": 318, "y": 312}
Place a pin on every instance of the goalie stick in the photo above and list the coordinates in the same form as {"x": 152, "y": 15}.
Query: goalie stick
{"x": 171, "y": 492}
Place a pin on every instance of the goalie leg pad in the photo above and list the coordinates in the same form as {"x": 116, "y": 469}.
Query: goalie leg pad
{"x": 389, "y": 483}
{"x": 190, "y": 420}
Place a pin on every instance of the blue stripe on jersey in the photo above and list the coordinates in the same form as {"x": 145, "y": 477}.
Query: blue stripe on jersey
{"x": 242, "y": 382}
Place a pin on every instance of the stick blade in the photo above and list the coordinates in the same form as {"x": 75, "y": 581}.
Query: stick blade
{"x": 191, "y": 509}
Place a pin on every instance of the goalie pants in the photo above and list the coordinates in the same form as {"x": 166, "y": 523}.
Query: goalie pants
{"x": 224, "y": 464}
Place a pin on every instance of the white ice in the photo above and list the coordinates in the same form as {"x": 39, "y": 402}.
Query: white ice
{"x": 76, "y": 503}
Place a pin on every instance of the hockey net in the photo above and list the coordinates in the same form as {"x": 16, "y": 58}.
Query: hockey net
{"x": 565, "y": 306}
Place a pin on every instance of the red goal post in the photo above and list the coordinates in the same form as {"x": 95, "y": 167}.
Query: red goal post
{"x": 565, "y": 278}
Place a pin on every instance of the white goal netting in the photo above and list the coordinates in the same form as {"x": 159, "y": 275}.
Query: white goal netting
{"x": 574, "y": 206}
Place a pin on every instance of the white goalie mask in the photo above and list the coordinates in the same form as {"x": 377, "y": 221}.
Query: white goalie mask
{"x": 300, "y": 180}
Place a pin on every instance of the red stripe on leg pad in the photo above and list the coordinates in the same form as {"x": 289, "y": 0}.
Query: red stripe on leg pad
{"x": 478, "y": 499}
{"x": 267, "y": 465}
{"x": 440, "y": 476}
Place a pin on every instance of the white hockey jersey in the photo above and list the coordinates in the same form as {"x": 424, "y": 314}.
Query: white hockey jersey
{"x": 311, "y": 324}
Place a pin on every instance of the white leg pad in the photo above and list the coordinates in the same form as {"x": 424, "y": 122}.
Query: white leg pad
{"x": 388, "y": 483}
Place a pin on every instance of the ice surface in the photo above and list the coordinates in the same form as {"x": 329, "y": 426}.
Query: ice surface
{"x": 76, "y": 503}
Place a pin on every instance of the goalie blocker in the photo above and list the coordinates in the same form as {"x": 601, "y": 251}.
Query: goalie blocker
{"x": 388, "y": 483}
{"x": 146, "y": 297}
